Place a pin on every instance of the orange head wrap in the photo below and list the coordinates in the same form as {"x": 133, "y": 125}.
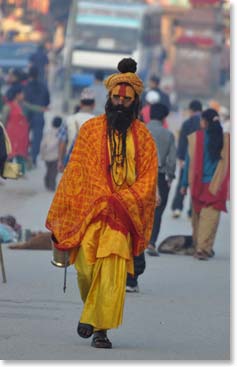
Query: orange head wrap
{"x": 127, "y": 68}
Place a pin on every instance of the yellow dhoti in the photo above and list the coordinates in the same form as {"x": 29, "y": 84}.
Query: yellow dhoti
{"x": 102, "y": 263}
{"x": 102, "y": 288}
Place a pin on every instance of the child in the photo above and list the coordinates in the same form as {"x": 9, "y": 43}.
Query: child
{"x": 49, "y": 153}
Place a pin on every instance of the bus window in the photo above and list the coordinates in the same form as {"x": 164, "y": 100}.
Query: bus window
{"x": 100, "y": 37}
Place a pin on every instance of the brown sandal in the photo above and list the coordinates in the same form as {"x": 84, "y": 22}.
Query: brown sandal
{"x": 100, "y": 340}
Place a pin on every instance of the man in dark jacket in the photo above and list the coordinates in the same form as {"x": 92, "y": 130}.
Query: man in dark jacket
{"x": 36, "y": 102}
{"x": 188, "y": 127}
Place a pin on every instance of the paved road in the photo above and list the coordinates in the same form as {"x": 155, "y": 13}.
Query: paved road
{"x": 181, "y": 312}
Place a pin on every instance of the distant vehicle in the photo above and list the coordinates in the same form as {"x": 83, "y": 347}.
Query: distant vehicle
{"x": 198, "y": 52}
{"x": 100, "y": 34}
{"x": 16, "y": 55}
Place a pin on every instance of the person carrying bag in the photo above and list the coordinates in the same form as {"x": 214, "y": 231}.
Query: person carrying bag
{"x": 7, "y": 169}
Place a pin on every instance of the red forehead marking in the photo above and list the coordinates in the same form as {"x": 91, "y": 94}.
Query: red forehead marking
{"x": 122, "y": 90}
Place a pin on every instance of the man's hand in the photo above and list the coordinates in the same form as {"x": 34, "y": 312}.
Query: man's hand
{"x": 183, "y": 190}
{"x": 181, "y": 163}
{"x": 60, "y": 166}
{"x": 158, "y": 198}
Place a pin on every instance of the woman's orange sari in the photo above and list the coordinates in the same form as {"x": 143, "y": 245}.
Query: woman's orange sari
{"x": 85, "y": 193}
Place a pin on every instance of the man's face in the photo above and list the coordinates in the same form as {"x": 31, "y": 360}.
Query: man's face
{"x": 120, "y": 107}
{"x": 122, "y": 94}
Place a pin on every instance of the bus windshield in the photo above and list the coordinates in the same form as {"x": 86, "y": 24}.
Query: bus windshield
{"x": 106, "y": 38}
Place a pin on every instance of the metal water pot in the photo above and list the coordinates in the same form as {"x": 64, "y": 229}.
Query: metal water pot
{"x": 60, "y": 257}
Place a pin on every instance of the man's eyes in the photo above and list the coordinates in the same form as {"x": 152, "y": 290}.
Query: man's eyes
{"x": 117, "y": 97}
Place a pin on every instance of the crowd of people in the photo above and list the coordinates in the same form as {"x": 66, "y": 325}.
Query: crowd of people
{"x": 117, "y": 156}
{"x": 22, "y": 114}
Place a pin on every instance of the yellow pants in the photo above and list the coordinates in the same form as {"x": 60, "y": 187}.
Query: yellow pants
{"x": 205, "y": 226}
{"x": 102, "y": 288}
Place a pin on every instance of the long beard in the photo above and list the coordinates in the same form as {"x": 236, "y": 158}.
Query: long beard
{"x": 119, "y": 117}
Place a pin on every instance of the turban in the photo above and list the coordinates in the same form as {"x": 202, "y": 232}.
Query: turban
{"x": 127, "y": 68}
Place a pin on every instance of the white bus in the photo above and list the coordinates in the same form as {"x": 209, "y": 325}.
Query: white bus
{"x": 101, "y": 33}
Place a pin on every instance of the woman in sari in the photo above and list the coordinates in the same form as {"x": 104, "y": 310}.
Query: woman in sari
{"x": 206, "y": 172}
{"x": 17, "y": 127}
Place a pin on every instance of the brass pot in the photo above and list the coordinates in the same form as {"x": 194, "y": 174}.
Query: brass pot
{"x": 60, "y": 257}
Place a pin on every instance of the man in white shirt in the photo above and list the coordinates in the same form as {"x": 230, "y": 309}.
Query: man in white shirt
{"x": 69, "y": 130}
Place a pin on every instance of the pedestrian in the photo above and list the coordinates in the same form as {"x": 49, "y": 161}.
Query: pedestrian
{"x": 166, "y": 151}
{"x": 36, "y": 102}
{"x": 206, "y": 171}
{"x": 188, "y": 127}
{"x": 70, "y": 128}
{"x": 155, "y": 84}
{"x": 103, "y": 208}
{"x": 14, "y": 78}
{"x": 149, "y": 97}
{"x": 39, "y": 59}
{"x": 49, "y": 153}
{"x": 100, "y": 92}
{"x": 17, "y": 127}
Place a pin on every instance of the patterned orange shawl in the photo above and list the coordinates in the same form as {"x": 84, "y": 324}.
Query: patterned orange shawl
{"x": 85, "y": 193}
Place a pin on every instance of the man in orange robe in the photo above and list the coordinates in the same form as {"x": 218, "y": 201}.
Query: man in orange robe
{"x": 103, "y": 209}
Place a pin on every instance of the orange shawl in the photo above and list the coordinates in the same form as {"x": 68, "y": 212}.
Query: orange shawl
{"x": 85, "y": 193}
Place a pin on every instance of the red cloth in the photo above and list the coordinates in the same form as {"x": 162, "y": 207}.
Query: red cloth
{"x": 201, "y": 196}
{"x": 18, "y": 131}
{"x": 195, "y": 40}
{"x": 145, "y": 113}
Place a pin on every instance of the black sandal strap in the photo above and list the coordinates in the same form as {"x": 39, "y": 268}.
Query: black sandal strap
{"x": 87, "y": 327}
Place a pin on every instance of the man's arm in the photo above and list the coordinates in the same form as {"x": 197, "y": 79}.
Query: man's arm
{"x": 5, "y": 114}
{"x": 171, "y": 159}
{"x": 182, "y": 144}
{"x": 62, "y": 147}
{"x": 34, "y": 107}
